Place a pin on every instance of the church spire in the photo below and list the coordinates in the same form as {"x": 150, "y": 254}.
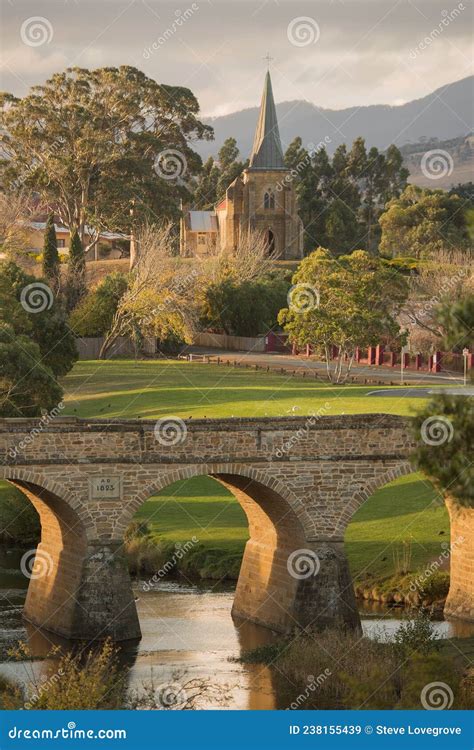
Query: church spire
{"x": 267, "y": 152}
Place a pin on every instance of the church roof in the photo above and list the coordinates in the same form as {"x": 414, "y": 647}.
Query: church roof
{"x": 267, "y": 152}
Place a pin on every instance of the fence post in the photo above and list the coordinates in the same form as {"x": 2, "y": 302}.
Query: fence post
{"x": 436, "y": 362}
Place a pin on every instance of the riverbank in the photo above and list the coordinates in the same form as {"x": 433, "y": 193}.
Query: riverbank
{"x": 341, "y": 669}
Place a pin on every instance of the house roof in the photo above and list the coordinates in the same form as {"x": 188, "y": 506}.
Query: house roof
{"x": 267, "y": 152}
{"x": 40, "y": 226}
{"x": 202, "y": 221}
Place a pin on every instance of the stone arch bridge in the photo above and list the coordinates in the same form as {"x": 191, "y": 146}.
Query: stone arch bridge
{"x": 299, "y": 481}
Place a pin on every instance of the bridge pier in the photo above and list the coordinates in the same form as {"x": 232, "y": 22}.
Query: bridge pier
{"x": 327, "y": 599}
{"x": 283, "y": 588}
{"x": 460, "y": 601}
{"x": 101, "y": 604}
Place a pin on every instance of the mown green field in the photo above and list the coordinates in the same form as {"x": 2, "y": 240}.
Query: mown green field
{"x": 152, "y": 389}
{"x": 404, "y": 520}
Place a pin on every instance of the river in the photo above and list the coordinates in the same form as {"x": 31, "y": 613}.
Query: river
{"x": 188, "y": 633}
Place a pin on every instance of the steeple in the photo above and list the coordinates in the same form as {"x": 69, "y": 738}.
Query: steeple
{"x": 267, "y": 152}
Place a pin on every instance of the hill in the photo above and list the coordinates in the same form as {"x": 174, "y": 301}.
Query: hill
{"x": 444, "y": 114}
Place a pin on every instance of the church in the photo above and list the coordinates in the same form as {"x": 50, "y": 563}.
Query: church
{"x": 262, "y": 199}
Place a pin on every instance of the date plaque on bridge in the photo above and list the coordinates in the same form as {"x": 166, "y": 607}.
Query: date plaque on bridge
{"x": 105, "y": 488}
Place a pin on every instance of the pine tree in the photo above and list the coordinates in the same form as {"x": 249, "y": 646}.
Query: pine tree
{"x": 50, "y": 253}
{"x": 76, "y": 276}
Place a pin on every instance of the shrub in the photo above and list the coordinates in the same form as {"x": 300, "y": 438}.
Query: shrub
{"x": 94, "y": 314}
{"x": 416, "y": 635}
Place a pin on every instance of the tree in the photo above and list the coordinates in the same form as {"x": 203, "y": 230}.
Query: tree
{"x": 456, "y": 320}
{"x": 76, "y": 273}
{"x": 421, "y": 222}
{"x": 445, "y": 445}
{"x": 94, "y": 314}
{"x": 16, "y": 211}
{"x": 91, "y": 141}
{"x": 162, "y": 296}
{"x": 249, "y": 308}
{"x": 205, "y": 196}
{"x": 341, "y": 199}
{"x": 51, "y": 269}
{"x": 345, "y": 303}
{"x": 445, "y": 428}
{"x": 381, "y": 177}
{"x": 464, "y": 190}
{"x": 229, "y": 166}
{"x": 29, "y": 306}
{"x": 27, "y": 385}
{"x": 341, "y": 228}
{"x": 433, "y": 285}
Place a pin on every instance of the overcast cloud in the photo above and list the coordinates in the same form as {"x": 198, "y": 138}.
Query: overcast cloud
{"x": 345, "y": 53}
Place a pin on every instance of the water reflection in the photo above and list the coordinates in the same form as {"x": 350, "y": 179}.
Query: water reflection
{"x": 188, "y": 633}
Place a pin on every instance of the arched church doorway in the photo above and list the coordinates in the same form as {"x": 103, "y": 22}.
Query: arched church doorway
{"x": 270, "y": 242}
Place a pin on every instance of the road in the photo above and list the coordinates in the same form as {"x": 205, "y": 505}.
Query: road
{"x": 389, "y": 375}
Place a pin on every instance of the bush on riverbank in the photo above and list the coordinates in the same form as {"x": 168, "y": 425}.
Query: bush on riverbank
{"x": 338, "y": 668}
{"x": 94, "y": 679}
{"x": 412, "y": 589}
{"x": 147, "y": 555}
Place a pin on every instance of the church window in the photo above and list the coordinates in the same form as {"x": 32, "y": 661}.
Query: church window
{"x": 269, "y": 199}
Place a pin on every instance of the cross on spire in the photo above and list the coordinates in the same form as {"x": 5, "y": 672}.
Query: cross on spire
{"x": 268, "y": 59}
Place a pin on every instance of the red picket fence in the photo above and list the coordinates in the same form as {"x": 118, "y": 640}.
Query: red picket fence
{"x": 379, "y": 356}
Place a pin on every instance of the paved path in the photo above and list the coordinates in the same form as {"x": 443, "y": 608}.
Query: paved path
{"x": 423, "y": 392}
{"x": 360, "y": 372}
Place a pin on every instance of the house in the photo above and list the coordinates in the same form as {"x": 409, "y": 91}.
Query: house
{"x": 110, "y": 244}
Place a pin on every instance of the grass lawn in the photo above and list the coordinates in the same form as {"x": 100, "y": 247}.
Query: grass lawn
{"x": 403, "y": 524}
{"x": 403, "y": 517}
{"x": 151, "y": 389}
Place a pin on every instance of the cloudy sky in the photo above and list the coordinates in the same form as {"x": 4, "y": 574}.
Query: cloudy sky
{"x": 334, "y": 53}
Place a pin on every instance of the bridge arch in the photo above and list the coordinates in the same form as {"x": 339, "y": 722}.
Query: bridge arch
{"x": 56, "y": 573}
{"x": 271, "y": 589}
{"x": 294, "y": 505}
